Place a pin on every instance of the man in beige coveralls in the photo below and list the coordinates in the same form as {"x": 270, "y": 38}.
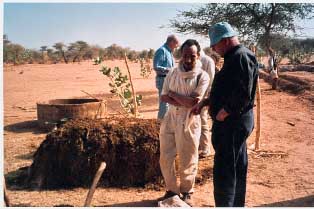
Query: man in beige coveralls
{"x": 208, "y": 65}
{"x": 180, "y": 132}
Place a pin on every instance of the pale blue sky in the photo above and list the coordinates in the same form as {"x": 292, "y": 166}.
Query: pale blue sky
{"x": 134, "y": 25}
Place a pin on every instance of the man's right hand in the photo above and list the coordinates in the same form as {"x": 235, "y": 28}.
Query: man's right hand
{"x": 196, "y": 109}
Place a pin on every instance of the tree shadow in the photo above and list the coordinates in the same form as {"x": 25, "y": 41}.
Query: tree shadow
{"x": 143, "y": 203}
{"x": 63, "y": 205}
{"x": 28, "y": 156}
{"x": 20, "y": 205}
{"x": 307, "y": 201}
{"x": 149, "y": 110}
{"x": 25, "y": 126}
{"x": 15, "y": 180}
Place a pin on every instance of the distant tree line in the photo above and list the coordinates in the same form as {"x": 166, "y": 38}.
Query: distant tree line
{"x": 74, "y": 52}
{"x": 296, "y": 50}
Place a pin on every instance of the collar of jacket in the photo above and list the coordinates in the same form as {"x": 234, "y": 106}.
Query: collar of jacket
{"x": 231, "y": 51}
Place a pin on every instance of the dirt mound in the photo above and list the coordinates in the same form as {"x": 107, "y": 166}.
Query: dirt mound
{"x": 288, "y": 83}
{"x": 71, "y": 155}
{"x": 302, "y": 67}
{"x": 310, "y": 63}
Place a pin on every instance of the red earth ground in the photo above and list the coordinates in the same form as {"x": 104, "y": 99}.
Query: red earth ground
{"x": 281, "y": 174}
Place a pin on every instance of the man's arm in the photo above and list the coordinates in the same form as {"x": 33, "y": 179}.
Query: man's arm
{"x": 186, "y": 101}
{"x": 197, "y": 108}
{"x": 170, "y": 100}
{"x": 159, "y": 60}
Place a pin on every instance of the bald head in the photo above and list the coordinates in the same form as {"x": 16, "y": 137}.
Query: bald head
{"x": 172, "y": 42}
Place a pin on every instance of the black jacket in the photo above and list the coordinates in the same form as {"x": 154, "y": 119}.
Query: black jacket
{"x": 234, "y": 85}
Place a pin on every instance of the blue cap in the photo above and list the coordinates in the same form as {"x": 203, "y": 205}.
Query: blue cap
{"x": 219, "y": 31}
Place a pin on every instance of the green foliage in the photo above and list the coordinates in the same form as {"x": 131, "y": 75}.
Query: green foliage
{"x": 77, "y": 50}
{"x": 13, "y": 53}
{"x": 60, "y": 49}
{"x": 120, "y": 86}
{"x": 303, "y": 50}
{"x": 27, "y": 56}
{"x": 146, "y": 69}
{"x": 253, "y": 21}
{"x": 114, "y": 52}
{"x": 296, "y": 50}
{"x": 296, "y": 57}
{"x": 97, "y": 61}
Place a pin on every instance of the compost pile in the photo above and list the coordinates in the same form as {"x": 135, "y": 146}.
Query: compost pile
{"x": 71, "y": 155}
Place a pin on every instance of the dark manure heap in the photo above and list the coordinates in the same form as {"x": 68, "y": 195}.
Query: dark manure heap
{"x": 71, "y": 155}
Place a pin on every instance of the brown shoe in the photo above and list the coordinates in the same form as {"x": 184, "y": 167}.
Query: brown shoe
{"x": 167, "y": 195}
{"x": 187, "y": 198}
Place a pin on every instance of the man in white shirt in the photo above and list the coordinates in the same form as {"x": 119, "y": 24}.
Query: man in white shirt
{"x": 208, "y": 65}
{"x": 180, "y": 131}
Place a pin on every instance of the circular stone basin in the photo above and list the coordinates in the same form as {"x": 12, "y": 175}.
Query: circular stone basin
{"x": 56, "y": 110}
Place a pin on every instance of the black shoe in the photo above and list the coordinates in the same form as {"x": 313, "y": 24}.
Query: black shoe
{"x": 167, "y": 195}
{"x": 187, "y": 198}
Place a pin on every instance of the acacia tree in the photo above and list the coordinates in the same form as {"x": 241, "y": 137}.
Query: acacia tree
{"x": 254, "y": 22}
{"x": 16, "y": 51}
{"x": 43, "y": 49}
{"x": 60, "y": 48}
{"x": 6, "y": 51}
{"x": 78, "y": 49}
{"x": 115, "y": 52}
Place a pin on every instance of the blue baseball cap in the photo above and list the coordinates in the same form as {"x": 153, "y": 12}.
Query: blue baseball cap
{"x": 219, "y": 31}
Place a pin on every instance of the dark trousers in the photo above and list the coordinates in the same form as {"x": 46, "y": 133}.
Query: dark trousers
{"x": 231, "y": 161}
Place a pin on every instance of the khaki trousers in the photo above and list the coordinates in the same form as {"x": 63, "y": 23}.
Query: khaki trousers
{"x": 205, "y": 133}
{"x": 175, "y": 140}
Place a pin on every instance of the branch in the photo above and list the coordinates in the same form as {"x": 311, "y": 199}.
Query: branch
{"x": 133, "y": 91}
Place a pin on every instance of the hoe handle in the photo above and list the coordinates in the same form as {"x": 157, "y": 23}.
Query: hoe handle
{"x": 93, "y": 187}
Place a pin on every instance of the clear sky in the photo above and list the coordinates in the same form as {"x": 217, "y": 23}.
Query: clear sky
{"x": 134, "y": 25}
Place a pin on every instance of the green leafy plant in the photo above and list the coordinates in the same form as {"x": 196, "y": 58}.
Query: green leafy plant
{"x": 146, "y": 70}
{"x": 121, "y": 87}
{"x": 97, "y": 61}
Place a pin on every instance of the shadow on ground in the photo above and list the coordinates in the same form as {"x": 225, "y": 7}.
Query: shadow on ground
{"x": 143, "y": 203}
{"x": 20, "y": 205}
{"x": 25, "y": 126}
{"x": 15, "y": 180}
{"x": 28, "y": 156}
{"x": 307, "y": 201}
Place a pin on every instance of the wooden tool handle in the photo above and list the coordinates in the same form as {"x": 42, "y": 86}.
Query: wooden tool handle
{"x": 93, "y": 187}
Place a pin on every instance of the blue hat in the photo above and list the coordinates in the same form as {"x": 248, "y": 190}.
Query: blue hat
{"x": 219, "y": 31}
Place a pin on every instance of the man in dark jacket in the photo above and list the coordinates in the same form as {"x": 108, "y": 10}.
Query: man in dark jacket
{"x": 231, "y": 104}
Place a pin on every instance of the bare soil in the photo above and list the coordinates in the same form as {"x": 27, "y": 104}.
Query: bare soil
{"x": 281, "y": 174}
